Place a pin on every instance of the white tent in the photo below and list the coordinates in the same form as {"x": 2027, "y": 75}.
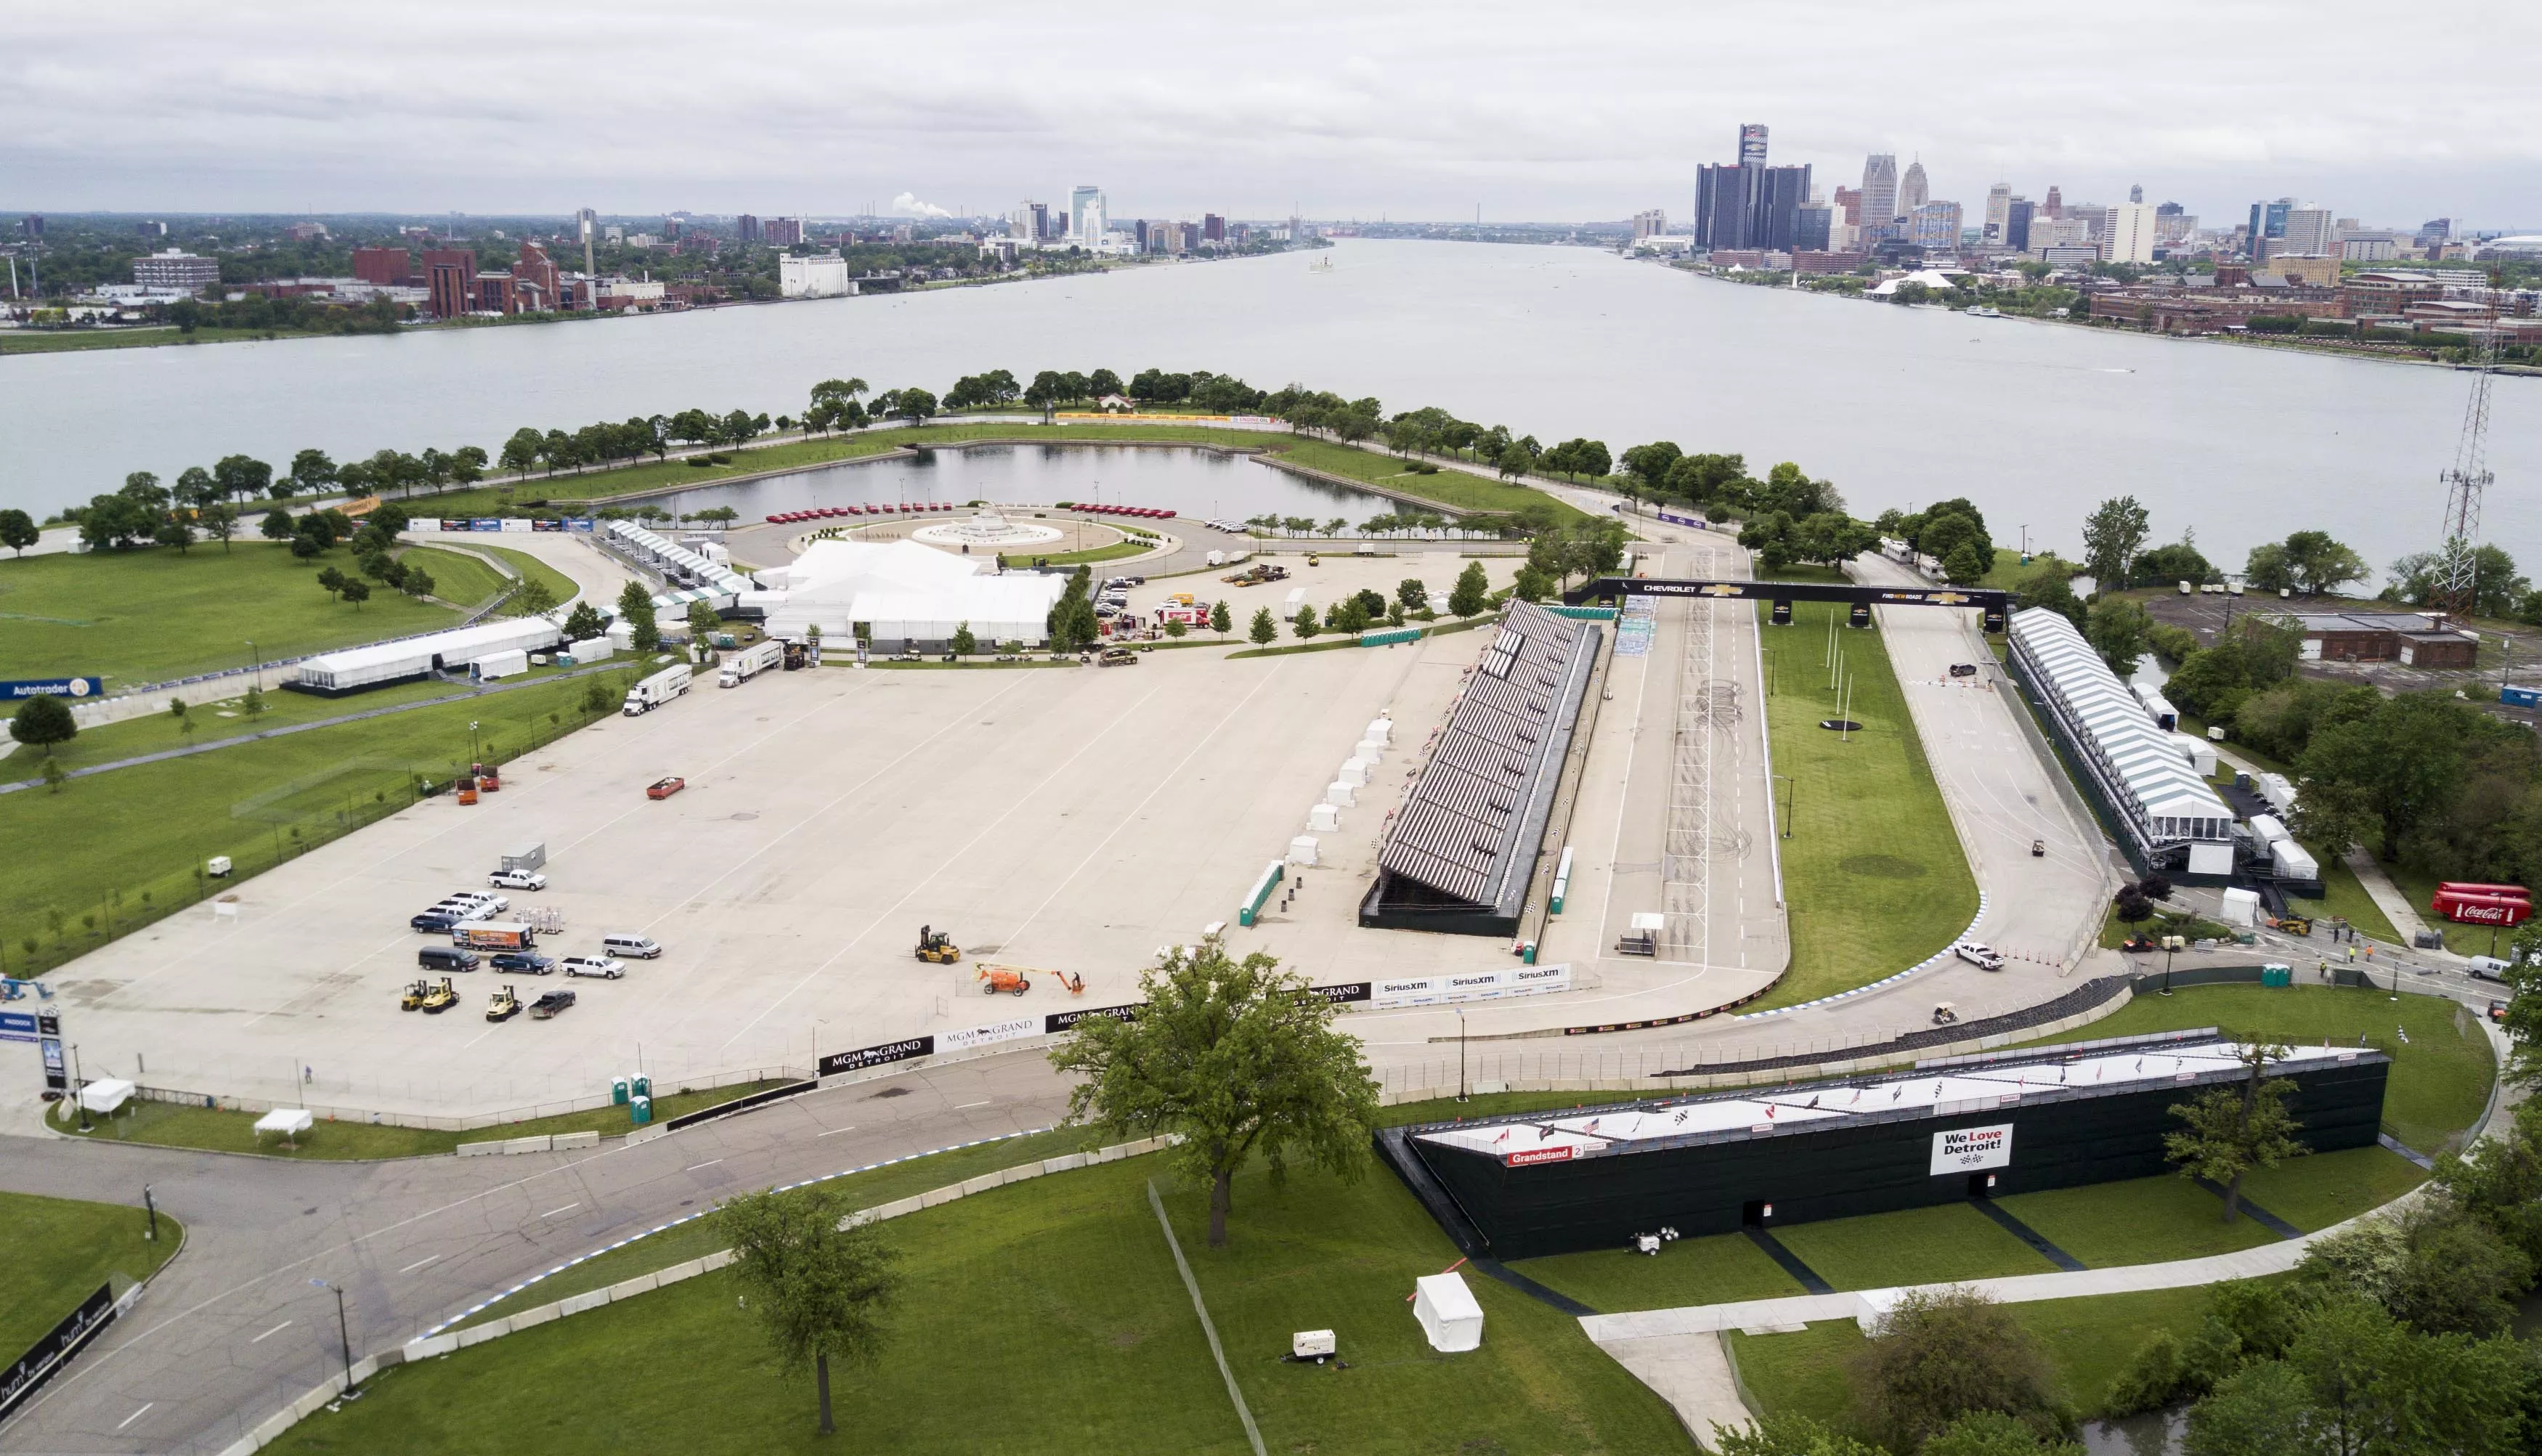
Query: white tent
{"x": 906, "y": 593}
{"x": 105, "y": 1094}
{"x": 290, "y": 1121}
{"x": 1448, "y": 1312}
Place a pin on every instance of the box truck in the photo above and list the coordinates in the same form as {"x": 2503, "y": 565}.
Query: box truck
{"x": 749, "y": 663}
{"x": 656, "y": 690}
{"x": 493, "y": 935}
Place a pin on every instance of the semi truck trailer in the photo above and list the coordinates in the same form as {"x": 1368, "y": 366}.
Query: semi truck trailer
{"x": 749, "y": 663}
{"x": 656, "y": 690}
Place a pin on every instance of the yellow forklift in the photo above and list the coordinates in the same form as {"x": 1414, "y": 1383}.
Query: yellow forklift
{"x": 502, "y": 1005}
{"x": 414, "y": 995}
{"x": 936, "y": 947}
{"x": 438, "y": 999}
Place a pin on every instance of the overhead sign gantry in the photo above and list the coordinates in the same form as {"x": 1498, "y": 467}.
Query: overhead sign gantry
{"x": 1991, "y": 602}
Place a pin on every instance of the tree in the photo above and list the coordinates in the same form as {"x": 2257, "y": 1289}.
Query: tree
{"x": 2118, "y": 628}
{"x": 2268, "y": 568}
{"x": 1265, "y": 631}
{"x": 521, "y": 452}
{"x": 173, "y": 530}
{"x": 1220, "y": 619}
{"x": 914, "y": 406}
{"x": 819, "y": 1278}
{"x": 636, "y": 609}
{"x": 702, "y": 626}
{"x": 1937, "y": 1357}
{"x": 241, "y": 476}
{"x": 18, "y": 530}
{"x": 219, "y": 520}
{"x": 43, "y": 721}
{"x": 584, "y": 622}
{"x": 1994, "y": 1434}
{"x": 357, "y": 592}
{"x": 1239, "y": 1058}
{"x": 2323, "y": 565}
{"x": 2234, "y": 1129}
{"x": 2261, "y": 1410}
{"x": 417, "y": 582}
{"x": 310, "y": 471}
{"x": 332, "y": 581}
{"x": 1304, "y": 624}
{"x": 1649, "y": 465}
{"x": 535, "y": 598}
{"x": 1472, "y": 593}
{"x": 1786, "y": 1435}
{"x": 1966, "y": 565}
{"x": 1412, "y": 594}
{"x": 2113, "y": 535}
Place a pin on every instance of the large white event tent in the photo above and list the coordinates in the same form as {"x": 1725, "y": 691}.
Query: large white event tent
{"x": 908, "y": 595}
{"x": 380, "y": 664}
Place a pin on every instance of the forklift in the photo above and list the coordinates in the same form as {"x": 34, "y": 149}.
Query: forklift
{"x": 414, "y": 996}
{"x": 936, "y": 948}
{"x": 502, "y": 1005}
{"x": 438, "y": 999}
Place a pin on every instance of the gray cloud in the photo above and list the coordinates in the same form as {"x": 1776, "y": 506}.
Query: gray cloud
{"x": 1414, "y": 109}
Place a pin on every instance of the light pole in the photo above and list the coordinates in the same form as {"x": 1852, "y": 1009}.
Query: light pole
{"x": 1461, "y": 1054}
{"x": 259, "y": 659}
{"x": 471, "y": 744}
{"x": 1791, "y": 800}
{"x": 152, "y": 1204}
{"x": 79, "y": 1088}
{"x": 343, "y": 1339}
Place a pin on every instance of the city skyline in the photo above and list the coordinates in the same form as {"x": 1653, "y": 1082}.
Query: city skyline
{"x": 1422, "y": 111}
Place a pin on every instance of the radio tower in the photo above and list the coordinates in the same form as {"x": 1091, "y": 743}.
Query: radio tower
{"x": 2459, "y": 590}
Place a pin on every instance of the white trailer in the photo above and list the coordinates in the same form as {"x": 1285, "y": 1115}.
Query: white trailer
{"x": 749, "y": 663}
{"x": 499, "y": 665}
{"x": 655, "y": 690}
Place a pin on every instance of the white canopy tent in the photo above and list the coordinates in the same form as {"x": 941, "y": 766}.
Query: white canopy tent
{"x": 290, "y": 1121}
{"x": 906, "y": 593}
{"x": 105, "y": 1094}
{"x": 1448, "y": 1313}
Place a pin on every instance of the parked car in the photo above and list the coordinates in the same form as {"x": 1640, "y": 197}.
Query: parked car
{"x": 2498, "y": 1010}
{"x": 445, "y": 957}
{"x": 599, "y": 966}
{"x": 636, "y": 947}
{"x": 663, "y": 788}
{"x": 526, "y": 961}
{"x": 517, "y": 880}
{"x": 1964, "y": 670}
{"x": 1119, "y": 656}
{"x": 551, "y": 1004}
{"x": 434, "y": 921}
{"x": 2487, "y": 968}
{"x": 1983, "y": 957}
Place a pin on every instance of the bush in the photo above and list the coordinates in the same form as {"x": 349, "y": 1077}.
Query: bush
{"x": 2151, "y": 1379}
{"x": 1939, "y": 1356}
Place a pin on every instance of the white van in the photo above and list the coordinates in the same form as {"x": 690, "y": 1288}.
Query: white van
{"x": 2487, "y": 967}
{"x": 633, "y": 947}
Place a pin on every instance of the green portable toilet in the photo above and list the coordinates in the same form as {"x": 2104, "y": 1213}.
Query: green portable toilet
{"x": 642, "y": 1086}
{"x": 642, "y": 1109}
{"x": 2275, "y": 974}
{"x": 617, "y": 1091}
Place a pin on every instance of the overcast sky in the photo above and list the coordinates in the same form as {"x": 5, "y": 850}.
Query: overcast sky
{"x": 1418, "y": 110}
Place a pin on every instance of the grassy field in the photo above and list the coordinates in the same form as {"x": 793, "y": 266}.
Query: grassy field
{"x": 458, "y": 578}
{"x": 2463, "y": 940}
{"x": 2344, "y": 896}
{"x": 1874, "y": 871}
{"x": 2440, "y": 1076}
{"x": 76, "y": 340}
{"x": 1054, "y": 1308}
{"x": 1718, "y": 1269}
{"x": 1456, "y": 489}
{"x": 168, "y": 1125}
{"x": 1113, "y": 553}
{"x": 2086, "y": 1341}
{"x": 559, "y": 585}
{"x": 124, "y": 847}
{"x": 60, "y": 1250}
{"x": 213, "y": 719}
{"x": 1924, "y": 1246}
{"x": 148, "y": 616}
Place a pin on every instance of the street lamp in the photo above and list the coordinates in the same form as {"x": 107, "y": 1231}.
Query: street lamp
{"x": 1460, "y": 1052}
{"x": 344, "y": 1338}
{"x": 471, "y": 744}
{"x": 1791, "y": 800}
{"x": 152, "y": 1204}
{"x": 77, "y": 1088}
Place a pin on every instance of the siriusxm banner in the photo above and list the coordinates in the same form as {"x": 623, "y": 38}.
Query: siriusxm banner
{"x": 24, "y": 687}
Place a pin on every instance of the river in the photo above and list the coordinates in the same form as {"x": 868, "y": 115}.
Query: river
{"x": 2034, "y": 422}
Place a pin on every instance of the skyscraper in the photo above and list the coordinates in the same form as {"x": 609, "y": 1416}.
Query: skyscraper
{"x": 2136, "y": 194}
{"x": 2268, "y": 228}
{"x": 1752, "y": 144}
{"x": 2016, "y": 224}
{"x": 1998, "y": 211}
{"x": 2055, "y": 206}
{"x": 1879, "y": 196}
{"x": 746, "y": 228}
{"x": 1079, "y": 199}
{"x": 1747, "y": 204}
{"x": 1915, "y": 192}
{"x": 2132, "y": 233}
{"x": 2311, "y": 232}
{"x": 1934, "y": 226}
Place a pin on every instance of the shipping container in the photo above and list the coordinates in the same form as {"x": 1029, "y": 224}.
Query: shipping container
{"x": 2515, "y": 695}
{"x": 530, "y": 856}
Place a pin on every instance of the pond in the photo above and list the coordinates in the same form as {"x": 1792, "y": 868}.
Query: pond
{"x": 2154, "y": 1433}
{"x": 1205, "y": 483}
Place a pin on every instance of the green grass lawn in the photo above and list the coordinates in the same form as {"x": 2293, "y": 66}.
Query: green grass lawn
{"x": 1718, "y": 1269}
{"x": 2420, "y": 887}
{"x": 1112, "y": 552}
{"x": 1913, "y": 1245}
{"x": 2440, "y": 1076}
{"x": 558, "y": 585}
{"x": 2313, "y": 1193}
{"x": 50, "y": 342}
{"x": 1051, "y": 1313}
{"x": 2086, "y": 1341}
{"x": 151, "y": 614}
{"x": 124, "y": 847}
{"x": 213, "y": 719}
{"x": 1873, "y": 870}
{"x": 170, "y": 1124}
{"x": 2342, "y": 895}
{"x": 1454, "y": 488}
{"x": 2139, "y": 1220}
{"x": 456, "y": 577}
{"x": 60, "y": 1250}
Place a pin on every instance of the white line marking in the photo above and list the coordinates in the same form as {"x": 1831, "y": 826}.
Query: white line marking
{"x": 835, "y": 1131}
{"x": 418, "y": 1264}
{"x": 708, "y": 1163}
{"x": 276, "y": 1330}
{"x": 568, "y": 1208}
{"x": 135, "y": 1415}
{"x": 983, "y": 1102}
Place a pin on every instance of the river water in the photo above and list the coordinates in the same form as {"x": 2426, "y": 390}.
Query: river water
{"x": 2034, "y": 422}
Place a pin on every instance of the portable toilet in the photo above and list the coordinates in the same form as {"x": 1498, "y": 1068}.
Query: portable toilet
{"x": 617, "y": 1091}
{"x": 1449, "y": 1316}
{"x": 641, "y": 1109}
{"x": 1354, "y": 772}
{"x": 1301, "y": 849}
{"x": 1341, "y": 795}
{"x": 1380, "y": 731}
{"x": 1323, "y": 818}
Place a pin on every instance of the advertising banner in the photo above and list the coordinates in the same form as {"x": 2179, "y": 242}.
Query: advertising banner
{"x": 1060, "y": 1021}
{"x": 983, "y": 1036}
{"x": 1472, "y": 986}
{"x": 904, "y": 1049}
{"x": 17, "y": 1026}
{"x": 50, "y": 1354}
{"x": 25, "y": 687}
{"x": 1342, "y": 995}
{"x": 1969, "y": 1150}
{"x": 1560, "y": 1154}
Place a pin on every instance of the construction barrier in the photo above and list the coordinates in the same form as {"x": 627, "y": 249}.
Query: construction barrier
{"x": 1260, "y": 892}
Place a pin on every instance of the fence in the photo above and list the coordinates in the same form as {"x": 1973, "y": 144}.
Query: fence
{"x": 664, "y": 1086}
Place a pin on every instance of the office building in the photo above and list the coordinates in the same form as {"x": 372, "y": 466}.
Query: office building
{"x": 783, "y": 232}
{"x": 822, "y": 276}
{"x": 2132, "y": 233}
{"x": 584, "y": 222}
{"x": 2310, "y": 232}
{"x": 2435, "y": 231}
{"x": 746, "y": 228}
{"x": 1079, "y": 200}
{"x": 150, "y": 230}
{"x": 387, "y": 267}
{"x": 2173, "y": 223}
{"x": 1813, "y": 227}
{"x": 2055, "y": 205}
{"x": 172, "y": 267}
{"x": 1879, "y": 196}
{"x": 1998, "y": 212}
{"x": 536, "y": 282}
{"x": 1651, "y": 224}
{"x": 1213, "y": 228}
{"x": 1749, "y": 204}
{"x": 2094, "y": 217}
{"x": 2268, "y": 228}
{"x": 2016, "y": 223}
{"x": 1913, "y": 190}
{"x": 1934, "y": 226}
{"x": 450, "y": 281}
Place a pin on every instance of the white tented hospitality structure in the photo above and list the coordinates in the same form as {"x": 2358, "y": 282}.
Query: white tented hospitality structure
{"x": 694, "y": 577}
{"x": 355, "y": 669}
{"x": 2167, "y": 817}
{"x": 909, "y": 596}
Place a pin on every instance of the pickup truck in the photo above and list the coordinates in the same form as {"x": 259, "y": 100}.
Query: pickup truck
{"x": 594, "y": 966}
{"x": 551, "y": 1004}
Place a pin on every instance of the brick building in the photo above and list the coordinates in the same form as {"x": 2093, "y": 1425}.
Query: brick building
{"x": 388, "y": 267}
{"x": 450, "y": 281}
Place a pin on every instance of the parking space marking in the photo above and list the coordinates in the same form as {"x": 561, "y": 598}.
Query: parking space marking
{"x": 983, "y": 1102}
{"x": 135, "y": 1415}
{"x": 276, "y": 1330}
{"x": 708, "y": 1163}
{"x": 418, "y": 1264}
{"x": 568, "y": 1208}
